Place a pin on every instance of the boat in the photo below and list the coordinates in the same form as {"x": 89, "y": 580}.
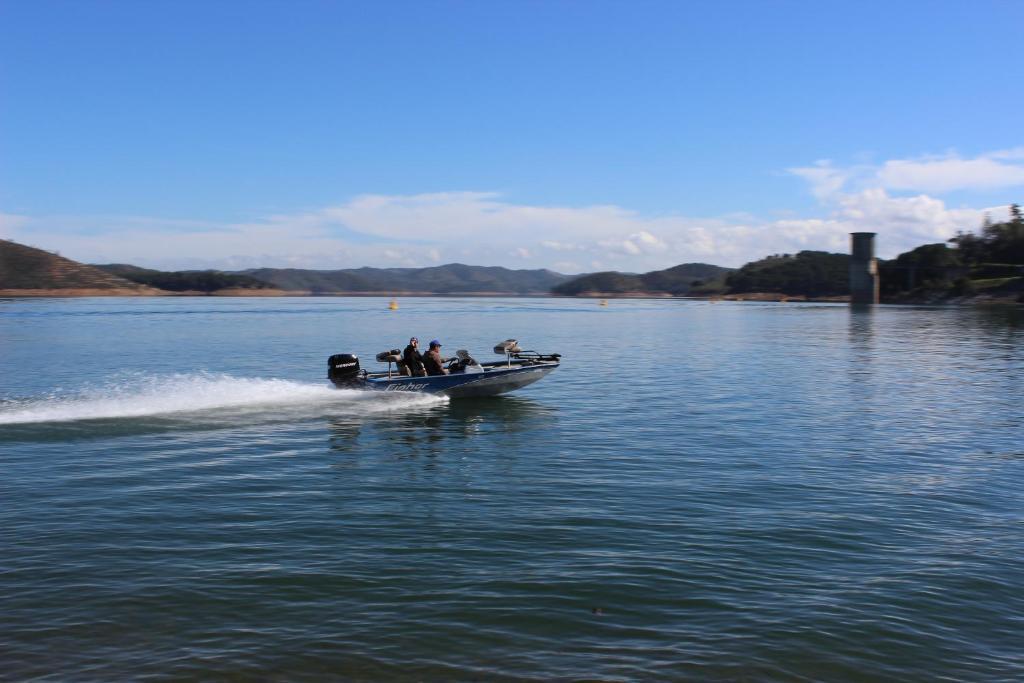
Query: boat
{"x": 466, "y": 376}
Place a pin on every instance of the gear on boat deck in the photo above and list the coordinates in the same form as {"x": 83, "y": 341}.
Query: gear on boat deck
{"x": 466, "y": 377}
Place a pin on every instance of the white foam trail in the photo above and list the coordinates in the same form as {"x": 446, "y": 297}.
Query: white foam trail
{"x": 144, "y": 396}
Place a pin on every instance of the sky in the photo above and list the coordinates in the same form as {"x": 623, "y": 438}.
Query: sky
{"x": 570, "y": 135}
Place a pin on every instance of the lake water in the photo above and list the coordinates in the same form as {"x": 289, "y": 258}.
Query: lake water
{"x": 730, "y": 491}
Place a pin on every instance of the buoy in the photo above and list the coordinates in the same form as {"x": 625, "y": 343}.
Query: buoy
{"x": 393, "y": 305}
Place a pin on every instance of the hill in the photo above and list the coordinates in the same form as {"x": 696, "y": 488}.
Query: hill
{"x": 27, "y": 271}
{"x": 934, "y": 273}
{"x": 206, "y": 281}
{"x": 453, "y": 278}
{"x": 675, "y": 281}
{"x": 808, "y": 273}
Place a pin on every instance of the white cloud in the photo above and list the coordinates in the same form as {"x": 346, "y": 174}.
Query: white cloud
{"x": 647, "y": 241}
{"x": 1014, "y": 153}
{"x": 930, "y": 173}
{"x": 825, "y": 180}
{"x": 559, "y": 246}
{"x": 478, "y": 228}
{"x": 642, "y": 242}
{"x": 484, "y": 228}
{"x": 952, "y": 173}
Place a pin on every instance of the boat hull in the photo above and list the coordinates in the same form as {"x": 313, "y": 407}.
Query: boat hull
{"x": 492, "y": 382}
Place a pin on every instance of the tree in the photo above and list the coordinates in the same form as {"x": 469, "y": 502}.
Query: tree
{"x": 809, "y": 273}
{"x": 930, "y": 266}
{"x": 997, "y": 243}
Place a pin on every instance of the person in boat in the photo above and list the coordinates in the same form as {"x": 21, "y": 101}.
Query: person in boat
{"x": 433, "y": 360}
{"x": 413, "y": 359}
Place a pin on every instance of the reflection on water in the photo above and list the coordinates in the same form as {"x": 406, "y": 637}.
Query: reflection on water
{"x": 860, "y": 365}
{"x": 861, "y": 328}
{"x": 702, "y": 492}
{"x": 996, "y": 318}
{"x": 426, "y": 430}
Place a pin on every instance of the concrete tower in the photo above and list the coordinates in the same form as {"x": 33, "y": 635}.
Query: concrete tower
{"x": 863, "y": 268}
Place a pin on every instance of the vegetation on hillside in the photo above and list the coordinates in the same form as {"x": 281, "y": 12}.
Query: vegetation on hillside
{"x": 452, "y": 278}
{"x": 808, "y": 273}
{"x": 997, "y": 243}
{"x": 609, "y": 282}
{"x": 928, "y": 268}
{"x": 185, "y": 280}
{"x": 25, "y": 267}
{"x": 677, "y": 281}
{"x": 315, "y": 281}
{"x": 989, "y": 262}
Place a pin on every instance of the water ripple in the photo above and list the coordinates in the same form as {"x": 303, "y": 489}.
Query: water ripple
{"x": 702, "y": 492}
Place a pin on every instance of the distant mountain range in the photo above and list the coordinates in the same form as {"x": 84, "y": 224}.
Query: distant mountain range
{"x": 453, "y": 278}
{"x": 206, "y": 281}
{"x": 930, "y": 273}
{"x": 34, "y": 271}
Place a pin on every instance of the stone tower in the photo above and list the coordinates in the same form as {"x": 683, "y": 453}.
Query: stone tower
{"x": 863, "y": 268}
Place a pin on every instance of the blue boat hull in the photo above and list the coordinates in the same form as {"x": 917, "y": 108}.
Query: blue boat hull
{"x": 489, "y": 382}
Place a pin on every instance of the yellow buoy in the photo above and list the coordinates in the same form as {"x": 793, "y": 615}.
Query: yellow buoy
{"x": 393, "y": 305}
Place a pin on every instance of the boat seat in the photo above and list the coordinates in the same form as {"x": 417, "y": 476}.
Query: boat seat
{"x": 394, "y": 356}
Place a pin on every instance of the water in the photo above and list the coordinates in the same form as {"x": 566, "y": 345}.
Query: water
{"x": 732, "y": 491}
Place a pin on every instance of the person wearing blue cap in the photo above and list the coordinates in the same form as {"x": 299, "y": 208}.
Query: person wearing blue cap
{"x": 433, "y": 361}
{"x": 413, "y": 359}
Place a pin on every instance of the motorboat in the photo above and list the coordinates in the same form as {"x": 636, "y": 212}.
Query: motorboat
{"x": 466, "y": 376}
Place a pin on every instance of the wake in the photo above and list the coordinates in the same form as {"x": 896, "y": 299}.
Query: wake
{"x": 198, "y": 395}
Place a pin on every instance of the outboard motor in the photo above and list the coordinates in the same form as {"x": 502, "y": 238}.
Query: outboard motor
{"x": 343, "y": 369}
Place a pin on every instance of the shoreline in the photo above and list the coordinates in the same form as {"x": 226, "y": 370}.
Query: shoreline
{"x": 762, "y": 297}
{"x": 251, "y": 293}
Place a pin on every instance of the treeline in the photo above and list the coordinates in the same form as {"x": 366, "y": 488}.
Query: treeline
{"x": 452, "y": 278}
{"x": 808, "y": 273}
{"x": 997, "y": 243}
{"x": 186, "y": 280}
{"x": 991, "y": 260}
{"x": 679, "y": 280}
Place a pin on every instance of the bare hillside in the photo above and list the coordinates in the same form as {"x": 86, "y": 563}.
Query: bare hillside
{"x": 30, "y": 271}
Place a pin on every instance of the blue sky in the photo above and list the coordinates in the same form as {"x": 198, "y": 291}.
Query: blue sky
{"x": 569, "y": 135}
